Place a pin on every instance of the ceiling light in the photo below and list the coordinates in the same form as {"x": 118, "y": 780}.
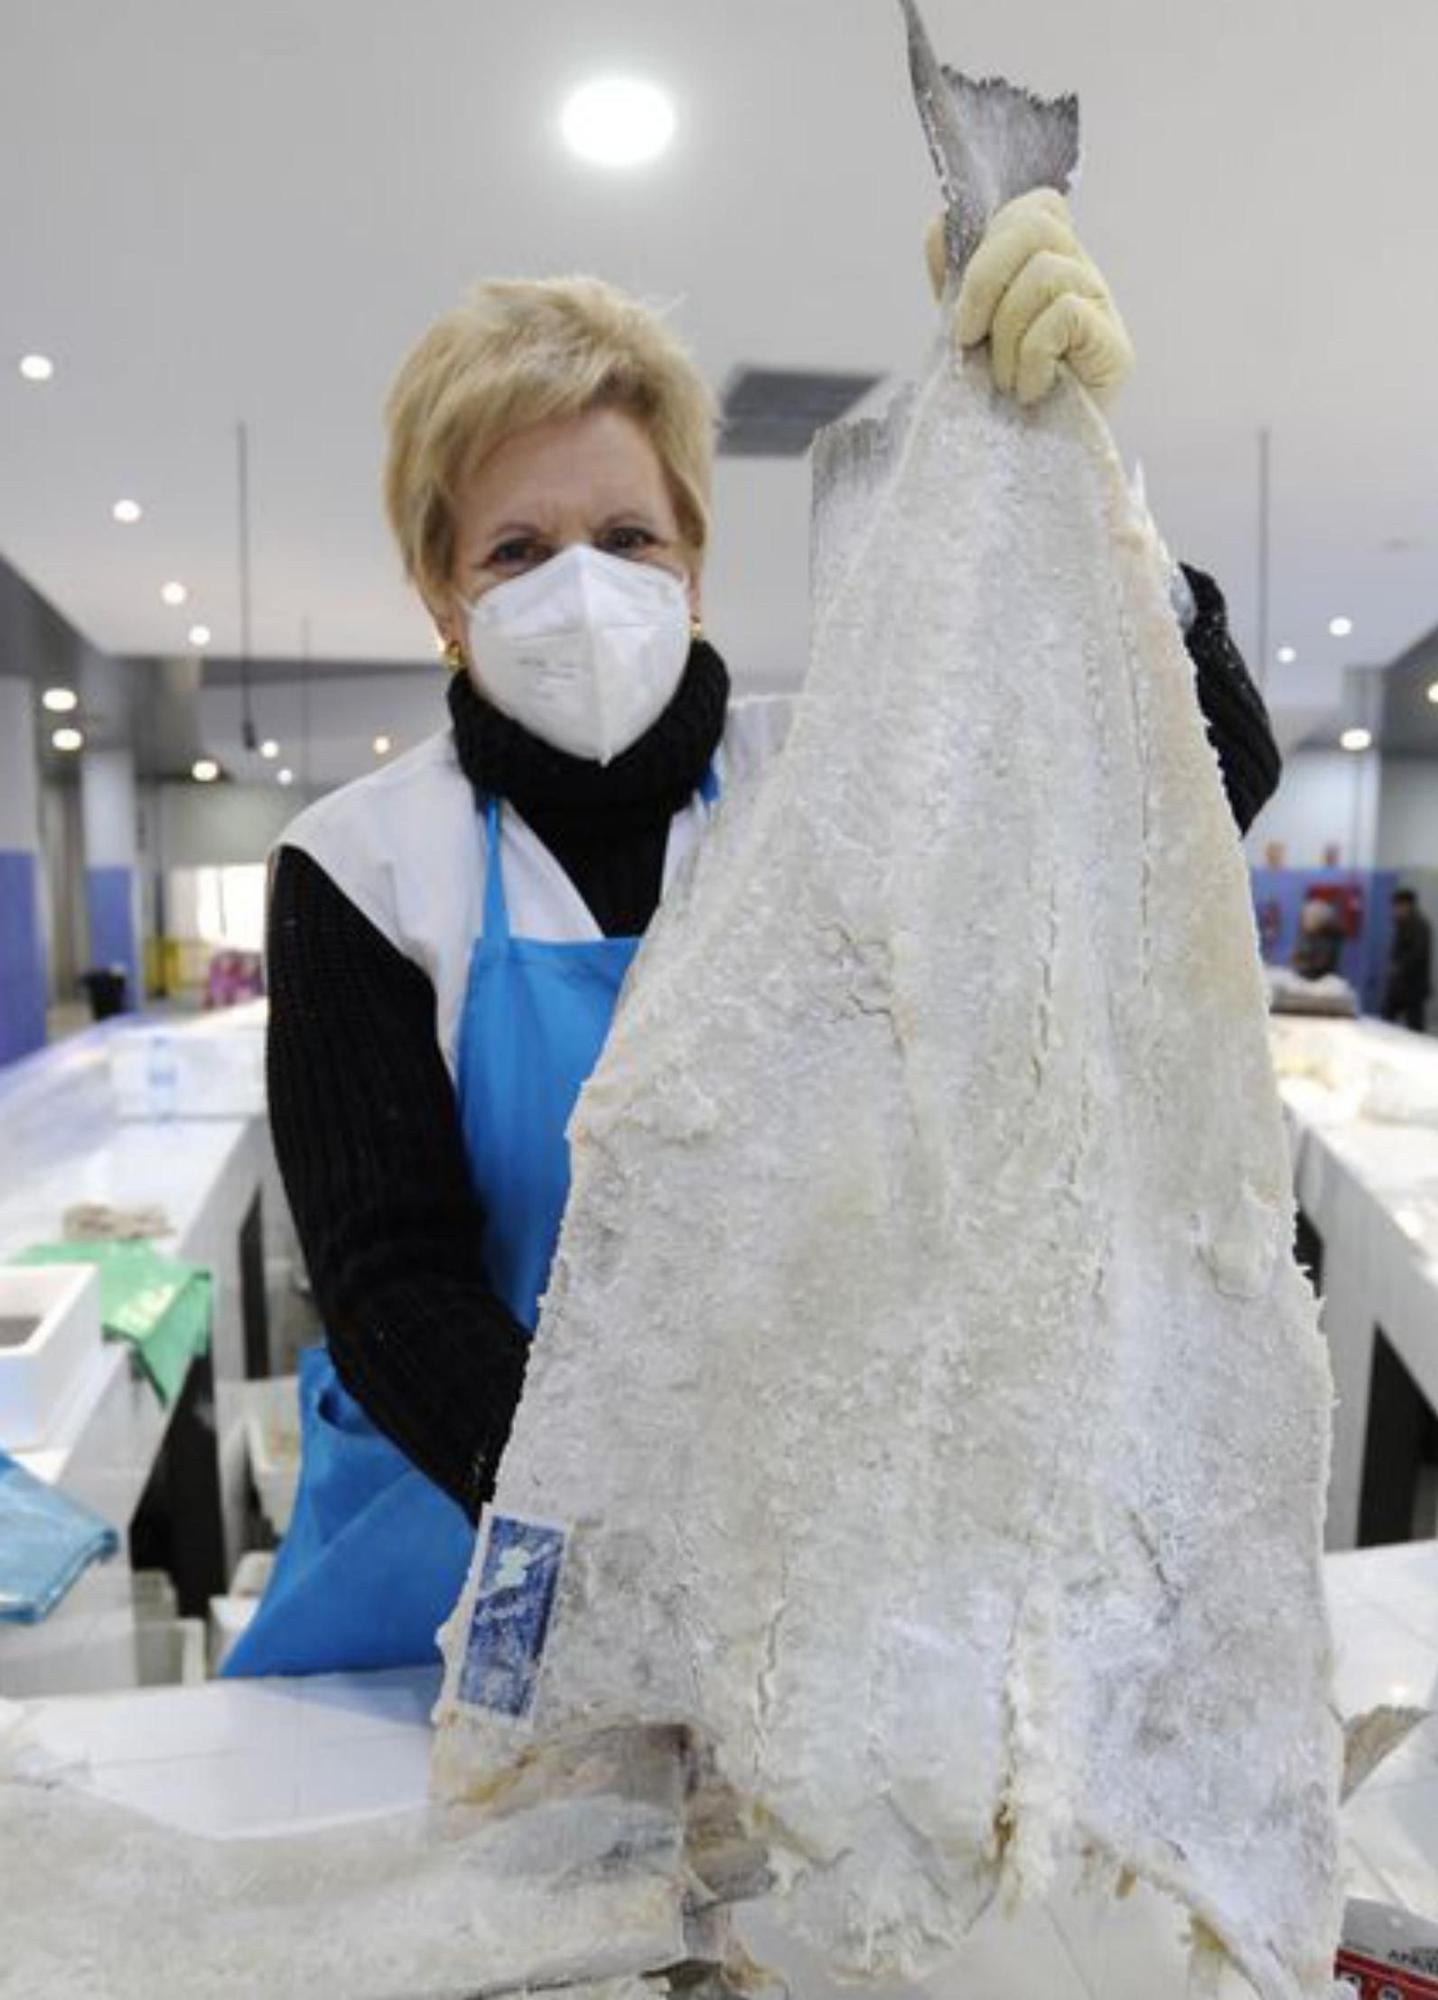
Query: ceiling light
{"x": 382, "y": 746}
{"x": 1287, "y": 655}
{"x": 617, "y": 121}
{"x": 36, "y": 367}
{"x": 60, "y": 701}
{"x": 1357, "y": 739}
{"x": 1433, "y": 691}
{"x": 286, "y": 776}
{"x": 1340, "y": 627}
{"x": 204, "y": 770}
{"x": 67, "y": 739}
{"x": 173, "y": 593}
{"x": 127, "y": 510}
{"x": 199, "y": 635}
{"x": 269, "y": 748}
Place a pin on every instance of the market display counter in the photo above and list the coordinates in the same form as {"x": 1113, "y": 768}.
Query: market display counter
{"x": 239, "y": 1759}
{"x": 1361, "y": 1103}
{"x": 81, "y": 1126}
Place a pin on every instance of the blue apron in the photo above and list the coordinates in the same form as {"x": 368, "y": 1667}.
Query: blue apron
{"x": 375, "y": 1554}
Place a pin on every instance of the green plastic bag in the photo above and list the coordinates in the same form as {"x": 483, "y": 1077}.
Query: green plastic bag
{"x": 158, "y": 1304}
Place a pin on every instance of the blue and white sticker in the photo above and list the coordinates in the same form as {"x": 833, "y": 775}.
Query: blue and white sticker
{"x": 518, "y": 1579}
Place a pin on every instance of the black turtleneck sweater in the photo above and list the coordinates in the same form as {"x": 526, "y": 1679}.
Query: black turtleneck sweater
{"x": 365, "y": 1122}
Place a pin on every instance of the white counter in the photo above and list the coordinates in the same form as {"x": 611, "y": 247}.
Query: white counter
{"x": 1369, "y": 1186}
{"x": 242, "y": 1758}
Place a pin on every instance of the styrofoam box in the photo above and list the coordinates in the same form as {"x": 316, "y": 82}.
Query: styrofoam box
{"x": 252, "y": 1573}
{"x": 272, "y": 1439}
{"x": 230, "y": 1614}
{"x": 170, "y": 1653}
{"x": 228, "y": 1620}
{"x": 39, "y": 1375}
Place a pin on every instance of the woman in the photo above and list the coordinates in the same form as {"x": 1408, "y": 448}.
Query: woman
{"x": 448, "y": 935}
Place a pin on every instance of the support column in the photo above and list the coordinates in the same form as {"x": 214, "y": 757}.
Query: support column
{"x": 107, "y": 808}
{"x": 22, "y": 938}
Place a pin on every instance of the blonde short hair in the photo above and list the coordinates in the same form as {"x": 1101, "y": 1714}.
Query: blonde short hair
{"x": 523, "y": 351}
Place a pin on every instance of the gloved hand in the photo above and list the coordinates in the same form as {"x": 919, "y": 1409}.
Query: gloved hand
{"x": 1035, "y": 295}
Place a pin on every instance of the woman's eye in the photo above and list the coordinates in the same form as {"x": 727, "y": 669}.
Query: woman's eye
{"x": 521, "y": 553}
{"x": 629, "y": 541}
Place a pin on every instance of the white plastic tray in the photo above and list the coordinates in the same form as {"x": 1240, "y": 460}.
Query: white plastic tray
{"x": 38, "y": 1376}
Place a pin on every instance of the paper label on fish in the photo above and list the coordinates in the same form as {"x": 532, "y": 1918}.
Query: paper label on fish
{"x": 518, "y": 1564}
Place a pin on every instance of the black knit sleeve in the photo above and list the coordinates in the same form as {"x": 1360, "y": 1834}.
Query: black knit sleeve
{"x": 368, "y": 1139}
{"x": 1233, "y": 708}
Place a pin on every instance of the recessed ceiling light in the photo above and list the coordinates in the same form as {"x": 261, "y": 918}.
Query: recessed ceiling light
{"x": 36, "y": 367}
{"x": 1287, "y": 655}
{"x": 1357, "y": 739}
{"x": 204, "y": 770}
{"x": 1433, "y": 691}
{"x": 269, "y": 748}
{"x": 60, "y": 701}
{"x": 68, "y": 739}
{"x": 617, "y": 121}
{"x": 1340, "y": 627}
{"x": 286, "y": 776}
{"x": 199, "y": 635}
{"x": 127, "y": 511}
{"x": 382, "y": 746}
{"x": 173, "y": 593}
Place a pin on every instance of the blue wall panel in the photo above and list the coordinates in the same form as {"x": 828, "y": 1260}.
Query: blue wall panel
{"x": 22, "y": 956}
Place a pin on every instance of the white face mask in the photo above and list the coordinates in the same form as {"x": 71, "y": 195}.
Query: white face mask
{"x": 585, "y": 651}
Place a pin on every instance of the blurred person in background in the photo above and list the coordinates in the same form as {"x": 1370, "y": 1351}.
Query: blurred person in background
{"x": 1319, "y": 950}
{"x": 1410, "y": 964}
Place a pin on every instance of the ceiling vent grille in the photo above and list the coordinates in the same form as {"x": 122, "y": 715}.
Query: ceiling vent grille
{"x": 774, "y": 412}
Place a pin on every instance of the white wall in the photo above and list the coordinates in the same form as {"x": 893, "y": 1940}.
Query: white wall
{"x": 1325, "y": 797}
{"x": 107, "y": 808}
{"x": 1408, "y": 813}
{"x": 19, "y": 777}
{"x": 66, "y": 921}
{"x": 214, "y": 826}
{"x": 1382, "y": 812}
{"x": 327, "y": 729}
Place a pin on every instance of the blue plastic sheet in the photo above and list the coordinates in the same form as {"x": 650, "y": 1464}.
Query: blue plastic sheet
{"x": 46, "y": 1540}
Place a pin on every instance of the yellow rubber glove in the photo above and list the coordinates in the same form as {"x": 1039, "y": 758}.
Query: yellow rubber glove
{"x": 1035, "y": 295}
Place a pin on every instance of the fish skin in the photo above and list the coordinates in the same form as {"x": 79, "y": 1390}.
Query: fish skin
{"x": 938, "y": 1414}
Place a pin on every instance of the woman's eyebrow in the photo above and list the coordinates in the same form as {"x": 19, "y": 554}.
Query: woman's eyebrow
{"x": 504, "y": 528}
{"x": 640, "y": 514}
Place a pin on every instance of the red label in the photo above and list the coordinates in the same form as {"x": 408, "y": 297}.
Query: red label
{"x": 1372, "y": 1981}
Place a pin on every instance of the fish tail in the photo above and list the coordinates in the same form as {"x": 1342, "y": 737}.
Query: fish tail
{"x": 990, "y": 139}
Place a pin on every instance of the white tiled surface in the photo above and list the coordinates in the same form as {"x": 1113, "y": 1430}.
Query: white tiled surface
{"x": 239, "y": 1758}
{"x": 252, "y": 1757}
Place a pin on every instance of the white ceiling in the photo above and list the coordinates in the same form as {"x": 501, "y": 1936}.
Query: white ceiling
{"x": 213, "y": 211}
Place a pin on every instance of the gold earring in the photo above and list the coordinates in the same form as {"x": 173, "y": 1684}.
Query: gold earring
{"x": 452, "y": 653}
{"x": 696, "y": 627}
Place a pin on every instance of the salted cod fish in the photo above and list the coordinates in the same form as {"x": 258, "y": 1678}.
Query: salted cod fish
{"x": 926, "y": 1409}
{"x": 581, "y": 1897}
